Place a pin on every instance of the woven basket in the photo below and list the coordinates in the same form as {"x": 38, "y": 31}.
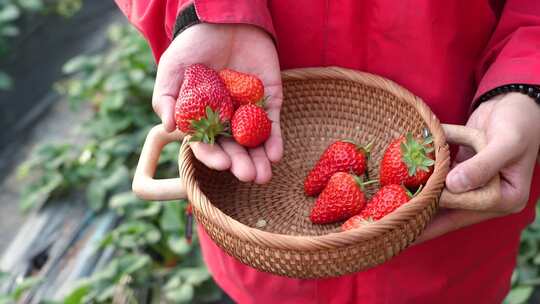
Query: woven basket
{"x": 267, "y": 226}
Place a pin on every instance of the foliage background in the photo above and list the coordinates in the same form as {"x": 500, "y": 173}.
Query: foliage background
{"x": 149, "y": 243}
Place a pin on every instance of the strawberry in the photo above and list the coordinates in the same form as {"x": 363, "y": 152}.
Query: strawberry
{"x": 407, "y": 161}
{"x": 250, "y": 125}
{"x": 341, "y": 156}
{"x": 203, "y": 107}
{"x": 244, "y": 88}
{"x": 342, "y": 198}
{"x": 355, "y": 221}
{"x": 386, "y": 200}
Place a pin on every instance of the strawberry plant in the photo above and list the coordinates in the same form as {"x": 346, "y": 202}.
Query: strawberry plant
{"x": 151, "y": 251}
{"x": 12, "y": 10}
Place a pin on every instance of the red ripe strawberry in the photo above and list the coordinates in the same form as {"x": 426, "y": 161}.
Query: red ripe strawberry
{"x": 341, "y": 156}
{"x": 244, "y": 88}
{"x": 342, "y": 198}
{"x": 407, "y": 161}
{"x": 203, "y": 106}
{"x": 250, "y": 125}
{"x": 355, "y": 221}
{"x": 386, "y": 200}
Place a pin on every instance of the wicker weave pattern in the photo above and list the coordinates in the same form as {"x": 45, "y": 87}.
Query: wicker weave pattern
{"x": 267, "y": 227}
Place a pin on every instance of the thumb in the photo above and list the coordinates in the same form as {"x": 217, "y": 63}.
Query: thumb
{"x": 479, "y": 169}
{"x": 169, "y": 78}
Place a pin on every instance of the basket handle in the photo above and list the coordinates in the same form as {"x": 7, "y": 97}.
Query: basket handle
{"x": 144, "y": 185}
{"x": 487, "y": 197}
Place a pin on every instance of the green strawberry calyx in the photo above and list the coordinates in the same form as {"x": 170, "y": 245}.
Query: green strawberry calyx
{"x": 415, "y": 154}
{"x": 262, "y": 102}
{"x": 208, "y": 127}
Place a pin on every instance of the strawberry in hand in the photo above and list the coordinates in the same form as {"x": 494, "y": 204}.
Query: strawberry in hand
{"x": 250, "y": 126}
{"x": 203, "y": 107}
{"x": 244, "y": 88}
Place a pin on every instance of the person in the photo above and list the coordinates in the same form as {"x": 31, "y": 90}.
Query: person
{"x": 474, "y": 62}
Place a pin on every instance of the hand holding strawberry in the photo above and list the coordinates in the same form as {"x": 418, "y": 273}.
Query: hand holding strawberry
{"x": 240, "y": 47}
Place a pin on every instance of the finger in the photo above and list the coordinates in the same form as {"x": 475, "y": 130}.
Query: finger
{"x": 262, "y": 165}
{"x": 164, "y": 107}
{"x": 274, "y": 145}
{"x": 478, "y": 170}
{"x": 169, "y": 79}
{"x": 241, "y": 165}
{"x": 450, "y": 220}
{"x": 211, "y": 155}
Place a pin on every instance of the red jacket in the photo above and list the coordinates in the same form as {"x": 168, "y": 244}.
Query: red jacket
{"x": 446, "y": 52}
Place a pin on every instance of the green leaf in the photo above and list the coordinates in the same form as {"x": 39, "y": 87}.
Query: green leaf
{"x": 116, "y": 82}
{"x": 31, "y": 5}
{"x": 5, "y": 299}
{"x": 178, "y": 245}
{"x": 183, "y": 294}
{"x": 114, "y": 101}
{"x": 9, "y": 12}
{"x": 3, "y": 275}
{"x": 208, "y": 292}
{"x": 25, "y": 285}
{"x": 152, "y": 209}
{"x": 519, "y": 294}
{"x": 172, "y": 217}
{"x": 95, "y": 194}
{"x": 9, "y": 31}
{"x": 536, "y": 260}
{"x": 39, "y": 196}
{"x": 77, "y": 295}
{"x": 120, "y": 176}
{"x": 136, "y": 233}
{"x": 123, "y": 200}
{"x": 136, "y": 263}
{"x": 106, "y": 294}
{"x": 76, "y": 64}
{"x": 5, "y": 81}
{"x": 194, "y": 275}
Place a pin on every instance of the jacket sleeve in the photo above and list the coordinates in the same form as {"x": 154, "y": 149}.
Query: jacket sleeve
{"x": 155, "y": 19}
{"x": 513, "y": 53}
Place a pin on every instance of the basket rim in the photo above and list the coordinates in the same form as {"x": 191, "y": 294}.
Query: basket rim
{"x": 399, "y": 217}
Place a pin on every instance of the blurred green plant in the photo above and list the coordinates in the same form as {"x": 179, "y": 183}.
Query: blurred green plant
{"x": 10, "y": 13}
{"x": 149, "y": 242}
{"x": 19, "y": 290}
{"x": 526, "y": 276}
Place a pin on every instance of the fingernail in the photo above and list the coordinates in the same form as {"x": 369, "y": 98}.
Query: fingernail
{"x": 459, "y": 182}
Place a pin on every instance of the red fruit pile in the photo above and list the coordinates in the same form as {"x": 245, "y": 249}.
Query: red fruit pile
{"x": 406, "y": 165}
{"x": 211, "y": 104}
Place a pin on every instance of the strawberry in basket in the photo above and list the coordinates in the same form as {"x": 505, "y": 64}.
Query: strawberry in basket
{"x": 342, "y": 198}
{"x": 407, "y": 161}
{"x": 341, "y": 156}
{"x": 385, "y": 201}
